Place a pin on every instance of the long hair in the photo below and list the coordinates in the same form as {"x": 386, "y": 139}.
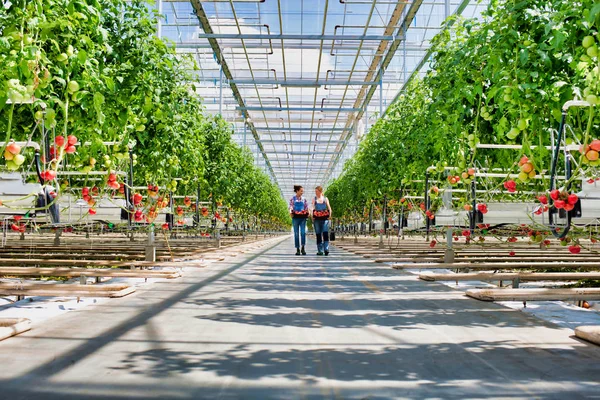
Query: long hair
{"x": 297, "y": 188}
{"x": 319, "y": 188}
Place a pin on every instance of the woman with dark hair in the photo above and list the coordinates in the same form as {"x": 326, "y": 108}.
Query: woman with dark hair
{"x": 299, "y": 211}
{"x": 321, "y": 216}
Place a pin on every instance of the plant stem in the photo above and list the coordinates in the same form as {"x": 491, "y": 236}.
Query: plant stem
{"x": 586, "y": 139}
{"x": 10, "y": 118}
{"x": 66, "y": 116}
{"x": 476, "y": 131}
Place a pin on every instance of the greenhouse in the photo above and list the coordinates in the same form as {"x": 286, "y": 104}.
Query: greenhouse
{"x": 299, "y": 199}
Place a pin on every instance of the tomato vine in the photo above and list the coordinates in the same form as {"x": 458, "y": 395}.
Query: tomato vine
{"x": 95, "y": 69}
{"x": 500, "y": 80}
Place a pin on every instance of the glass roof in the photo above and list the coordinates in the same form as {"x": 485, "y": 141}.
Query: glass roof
{"x": 302, "y": 80}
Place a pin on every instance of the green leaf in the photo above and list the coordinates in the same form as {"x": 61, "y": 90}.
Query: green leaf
{"x": 62, "y": 82}
{"x": 523, "y": 56}
{"x": 110, "y": 83}
{"x": 24, "y": 69}
{"x": 557, "y": 114}
{"x": 86, "y": 41}
{"x": 98, "y": 100}
{"x": 558, "y": 40}
{"x": 594, "y": 13}
{"x": 4, "y": 44}
{"x": 82, "y": 56}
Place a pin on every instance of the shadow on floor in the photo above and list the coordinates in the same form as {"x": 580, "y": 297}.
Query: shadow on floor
{"x": 463, "y": 369}
{"x": 477, "y": 360}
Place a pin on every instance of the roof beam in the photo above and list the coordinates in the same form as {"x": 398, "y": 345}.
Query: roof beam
{"x": 310, "y": 83}
{"x": 293, "y": 121}
{"x": 298, "y": 129}
{"x": 289, "y": 45}
{"x": 309, "y": 142}
{"x": 304, "y": 171}
{"x": 261, "y": 36}
{"x": 216, "y": 1}
{"x": 323, "y": 109}
{"x": 304, "y": 153}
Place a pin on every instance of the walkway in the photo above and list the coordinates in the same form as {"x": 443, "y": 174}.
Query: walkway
{"x": 277, "y": 326}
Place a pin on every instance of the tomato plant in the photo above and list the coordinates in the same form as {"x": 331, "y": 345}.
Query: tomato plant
{"x": 94, "y": 69}
{"x": 500, "y": 80}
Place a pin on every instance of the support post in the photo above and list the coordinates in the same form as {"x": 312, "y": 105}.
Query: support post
{"x": 427, "y": 204}
{"x": 449, "y": 253}
{"x": 46, "y": 135}
{"x": 197, "y": 224}
{"x": 383, "y": 217}
{"x": 474, "y": 206}
{"x": 150, "y": 250}
{"x": 370, "y": 217}
{"x": 366, "y": 121}
{"x": 380, "y": 91}
{"x": 159, "y": 6}
{"x": 401, "y": 221}
{"x": 227, "y": 223}
{"x": 131, "y": 161}
{"x": 404, "y": 68}
{"x": 150, "y": 254}
{"x": 385, "y": 222}
{"x": 220, "y": 88}
{"x": 128, "y": 194}
{"x": 244, "y": 227}
{"x": 218, "y": 239}
{"x": 213, "y": 210}
{"x": 171, "y": 205}
{"x": 57, "y": 234}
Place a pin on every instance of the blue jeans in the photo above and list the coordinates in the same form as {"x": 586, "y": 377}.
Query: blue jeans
{"x": 299, "y": 225}
{"x": 322, "y": 233}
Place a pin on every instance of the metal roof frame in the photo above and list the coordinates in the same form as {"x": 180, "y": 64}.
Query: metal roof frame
{"x": 305, "y": 78}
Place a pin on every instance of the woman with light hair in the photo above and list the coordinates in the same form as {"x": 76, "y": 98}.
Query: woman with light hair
{"x": 299, "y": 212}
{"x": 321, "y": 217}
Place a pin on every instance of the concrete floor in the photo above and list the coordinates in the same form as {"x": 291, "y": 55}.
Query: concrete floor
{"x": 275, "y": 326}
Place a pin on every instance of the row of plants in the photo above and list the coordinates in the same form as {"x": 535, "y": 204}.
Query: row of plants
{"x": 92, "y": 72}
{"x": 498, "y": 80}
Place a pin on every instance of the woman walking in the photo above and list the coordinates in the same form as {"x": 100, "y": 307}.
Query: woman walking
{"x": 299, "y": 211}
{"x": 321, "y": 217}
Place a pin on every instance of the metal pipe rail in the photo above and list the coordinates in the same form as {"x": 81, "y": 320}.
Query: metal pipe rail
{"x": 259, "y": 36}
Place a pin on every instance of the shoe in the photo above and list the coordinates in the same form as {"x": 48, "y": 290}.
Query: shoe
{"x": 326, "y": 252}
{"x": 320, "y": 253}
{"x": 297, "y": 252}
{"x": 303, "y": 251}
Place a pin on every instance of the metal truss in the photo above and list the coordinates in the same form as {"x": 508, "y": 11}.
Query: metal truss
{"x": 299, "y": 83}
